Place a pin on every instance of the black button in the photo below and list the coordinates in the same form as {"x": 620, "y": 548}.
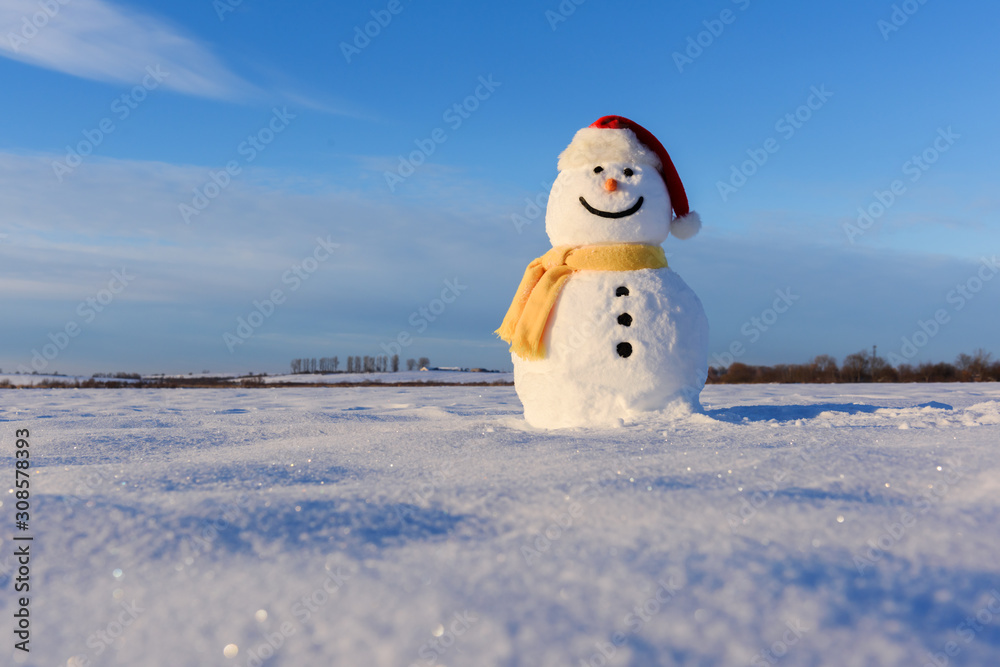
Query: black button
{"x": 624, "y": 349}
{"x": 621, "y": 291}
{"x": 625, "y": 320}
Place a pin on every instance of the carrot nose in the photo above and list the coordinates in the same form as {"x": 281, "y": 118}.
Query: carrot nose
{"x": 611, "y": 185}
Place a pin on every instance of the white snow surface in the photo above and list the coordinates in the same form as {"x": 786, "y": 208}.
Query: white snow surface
{"x": 428, "y": 526}
{"x": 450, "y": 377}
{"x": 429, "y": 376}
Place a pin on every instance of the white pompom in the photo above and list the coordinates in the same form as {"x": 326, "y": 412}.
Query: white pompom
{"x": 685, "y": 226}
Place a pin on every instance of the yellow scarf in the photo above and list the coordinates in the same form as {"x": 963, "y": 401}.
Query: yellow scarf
{"x": 528, "y": 315}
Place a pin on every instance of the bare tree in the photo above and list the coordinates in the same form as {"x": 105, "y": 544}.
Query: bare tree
{"x": 855, "y": 367}
{"x": 963, "y": 362}
{"x": 981, "y": 362}
{"x": 864, "y": 366}
{"x": 335, "y": 362}
{"x": 411, "y": 364}
{"x": 974, "y": 368}
{"x": 879, "y": 368}
{"x": 825, "y": 368}
{"x": 739, "y": 373}
{"x": 395, "y": 363}
{"x": 424, "y": 362}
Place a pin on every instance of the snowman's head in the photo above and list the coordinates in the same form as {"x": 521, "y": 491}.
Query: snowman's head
{"x": 613, "y": 188}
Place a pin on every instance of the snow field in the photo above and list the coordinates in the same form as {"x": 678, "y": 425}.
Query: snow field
{"x": 789, "y": 525}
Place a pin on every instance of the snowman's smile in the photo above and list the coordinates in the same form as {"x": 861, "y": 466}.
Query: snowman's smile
{"x": 612, "y": 214}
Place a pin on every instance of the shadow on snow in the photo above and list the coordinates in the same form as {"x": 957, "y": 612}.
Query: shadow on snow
{"x": 786, "y": 413}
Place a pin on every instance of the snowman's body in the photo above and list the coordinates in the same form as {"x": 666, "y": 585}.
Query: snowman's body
{"x": 617, "y": 344}
{"x": 586, "y": 379}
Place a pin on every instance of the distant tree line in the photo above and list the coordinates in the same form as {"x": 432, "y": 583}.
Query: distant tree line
{"x": 864, "y": 366}
{"x": 365, "y": 364}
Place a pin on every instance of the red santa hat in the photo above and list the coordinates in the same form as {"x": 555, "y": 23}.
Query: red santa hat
{"x": 618, "y": 139}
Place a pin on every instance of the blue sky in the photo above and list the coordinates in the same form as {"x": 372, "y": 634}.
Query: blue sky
{"x": 164, "y": 97}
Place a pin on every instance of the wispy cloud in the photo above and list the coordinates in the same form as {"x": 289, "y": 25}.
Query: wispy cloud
{"x": 117, "y": 212}
{"x": 97, "y": 40}
{"x": 194, "y": 280}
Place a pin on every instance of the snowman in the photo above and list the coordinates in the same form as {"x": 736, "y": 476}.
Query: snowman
{"x": 602, "y": 332}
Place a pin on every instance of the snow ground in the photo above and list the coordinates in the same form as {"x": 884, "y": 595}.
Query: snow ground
{"x": 451, "y": 377}
{"x": 28, "y": 380}
{"x": 430, "y": 526}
